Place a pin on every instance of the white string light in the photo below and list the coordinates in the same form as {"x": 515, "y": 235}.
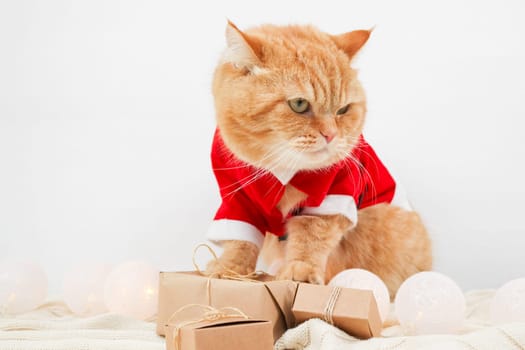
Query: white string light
{"x": 83, "y": 288}
{"x": 430, "y": 303}
{"x": 131, "y": 289}
{"x": 427, "y": 302}
{"x": 508, "y": 304}
{"x": 23, "y": 287}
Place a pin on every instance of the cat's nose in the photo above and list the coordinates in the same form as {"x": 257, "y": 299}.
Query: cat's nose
{"x": 328, "y": 136}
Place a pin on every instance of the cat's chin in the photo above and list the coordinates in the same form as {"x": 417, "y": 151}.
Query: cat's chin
{"x": 319, "y": 159}
{"x": 323, "y": 152}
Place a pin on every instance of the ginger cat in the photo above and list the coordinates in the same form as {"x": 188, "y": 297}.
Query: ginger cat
{"x": 290, "y": 160}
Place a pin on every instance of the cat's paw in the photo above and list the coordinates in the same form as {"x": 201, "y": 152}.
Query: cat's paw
{"x": 301, "y": 271}
{"x": 238, "y": 258}
{"x": 219, "y": 269}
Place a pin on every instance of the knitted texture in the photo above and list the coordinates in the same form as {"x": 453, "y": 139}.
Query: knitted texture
{"x": 53, "y": 327}
{"x": 477, "y": 334}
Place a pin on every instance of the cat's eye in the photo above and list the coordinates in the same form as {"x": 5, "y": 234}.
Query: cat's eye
{"x": 299, "y": 105}
{"x": 343, "y": 110}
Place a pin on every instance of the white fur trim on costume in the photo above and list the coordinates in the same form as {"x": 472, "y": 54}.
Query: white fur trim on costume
{"x": 400, "y": 198}
{"x": 335, "y": 204}
{"x": 225, "y": 229}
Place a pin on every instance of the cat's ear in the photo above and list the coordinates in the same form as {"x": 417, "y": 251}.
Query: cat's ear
{"x": 352, "y": 42}
{"x": 243, "y": 51}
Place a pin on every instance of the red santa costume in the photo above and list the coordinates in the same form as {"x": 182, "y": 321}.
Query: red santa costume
{"x": 250, "y": 195}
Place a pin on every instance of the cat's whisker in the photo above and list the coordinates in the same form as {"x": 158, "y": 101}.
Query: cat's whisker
{"x": 241, "y": 183}
{"x": 243, "y": 180}
{"x": 275, "y": 149}
{"x": 260, "y": 171}
{"x": 296, "y": 160}
{"x": 232, "y": 168}
{"x": 363, "y": 170}
{"x": 282, "y": 146}
{"x": 251, "y": 179}
{"x": 271, "y": 152}
{"x": 277, "y": 163}
{"x": 291, "y": 170}
{"x": 293, "y": 161}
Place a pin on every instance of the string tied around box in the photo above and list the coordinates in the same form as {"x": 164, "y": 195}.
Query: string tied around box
{"x": 330, "y": 305}
{"x": 230, "y": 274}
{"x": 204, "y": 313}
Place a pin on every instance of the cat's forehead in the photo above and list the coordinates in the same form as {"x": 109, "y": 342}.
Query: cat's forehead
{"x": 324, "y": 79}
{"x": 306, "y": 44}
{"x": 309, "y": 67}
{"x": 303, "y": 54}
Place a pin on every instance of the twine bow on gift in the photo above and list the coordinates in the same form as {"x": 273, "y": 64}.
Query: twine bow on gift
{"x": 330, "y": 305}
{"x": 205, "y": 313}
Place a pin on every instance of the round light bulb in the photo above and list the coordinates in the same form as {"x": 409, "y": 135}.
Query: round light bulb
{"x": 23, "y": 287}
{"x": 83, "y": 288}
{"x": 366, "y": 280}
{"x": 508, "y": 304}
{"x": 430, "y": 303}
{"x": 131, "y": 289}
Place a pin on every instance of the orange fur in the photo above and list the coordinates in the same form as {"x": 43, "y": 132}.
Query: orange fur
{"x": 388, "y": 241}
{"x": 260, "y": 71}
{"x": 238, "y": 256}
{"x": 251, "y": 102}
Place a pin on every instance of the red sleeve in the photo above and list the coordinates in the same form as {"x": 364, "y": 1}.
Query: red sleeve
{"x": 236, "y": 204}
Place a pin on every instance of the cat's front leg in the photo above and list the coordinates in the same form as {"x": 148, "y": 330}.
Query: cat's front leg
{"x": 311, "y": 239}
{"x": 238, "y": 256}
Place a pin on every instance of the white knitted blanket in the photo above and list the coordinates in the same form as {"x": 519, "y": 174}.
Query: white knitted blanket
{"x": 53, "y": 327}
{"x": 477, "y": 334}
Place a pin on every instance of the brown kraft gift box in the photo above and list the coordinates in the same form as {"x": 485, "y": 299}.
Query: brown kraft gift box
{"x": 222, "y": 334}
{"x": 265, "y": 300}
{"x": 352, "y": 310}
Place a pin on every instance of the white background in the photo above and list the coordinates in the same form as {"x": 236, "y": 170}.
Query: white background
{"x": 106, "y": 120}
